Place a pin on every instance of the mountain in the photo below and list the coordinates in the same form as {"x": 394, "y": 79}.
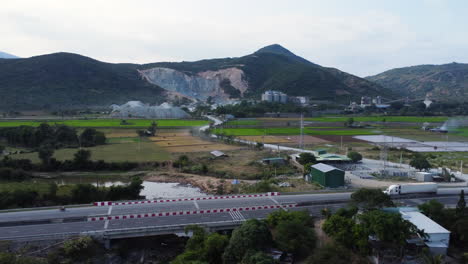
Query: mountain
{"x": 270, "y": 68}
{"x": 447, "y": 82}
{"x": 65, "y": 80}
{"x": 4, "y": 55}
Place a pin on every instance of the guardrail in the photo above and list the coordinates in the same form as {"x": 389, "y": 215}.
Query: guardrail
{"x": 108, "y": 203}
{"x": 190, "y": 212}
{"x": 42, "y": 237}
{"x": 125, "y": 232}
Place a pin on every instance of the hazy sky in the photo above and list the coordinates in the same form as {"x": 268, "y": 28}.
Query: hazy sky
{"x": 362, "y": 37}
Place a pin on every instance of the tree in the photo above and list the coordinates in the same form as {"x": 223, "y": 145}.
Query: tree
{"x": 251, "y": 235}
{"x": 432, "y": 209}
{"x": 306, "y": 158}
{"x": 214, "y": 246}
{"x": 153, "y": 128}
{"x": 45, "y": 153}
{"x": 420, "y": 162}
{"x": 349, "y": 122}
{"x": 257, "y": 257}
{"x": 335, "y": 253}
{"x": 202, "y": 247}
{"x": 91, "y": 137}
{"x": 295, "y": 237}
{"x": 461, "y": 204}
{"x": 292, "y": 231}
{"x": 81, "y": 157}
{"x": 355, "y": 156}
{"x": 259, "y": 146}
{"x": 368, "y": 199}
{"x": 389, "y": 228}
{"x": 341, "y": 229}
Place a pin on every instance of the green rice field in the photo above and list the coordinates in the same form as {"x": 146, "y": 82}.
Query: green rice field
{"x": 131, "y": 123}
{"x": 410, "y": 119}
{"x": 292, "y": 131}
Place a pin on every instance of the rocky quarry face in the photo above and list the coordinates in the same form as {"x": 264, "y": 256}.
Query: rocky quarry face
{"x": 200, "y": 85}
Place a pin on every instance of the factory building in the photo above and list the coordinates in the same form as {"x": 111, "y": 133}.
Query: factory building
{"x": 438, "y": 238}
{"x": 326, "y": 175}
{"x": 274, "y": 97}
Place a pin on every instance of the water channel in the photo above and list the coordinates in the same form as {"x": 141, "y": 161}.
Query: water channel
{"x": 152, "y": 190}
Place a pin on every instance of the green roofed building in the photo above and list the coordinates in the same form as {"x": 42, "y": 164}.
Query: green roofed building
{"x": 326, "y": 175}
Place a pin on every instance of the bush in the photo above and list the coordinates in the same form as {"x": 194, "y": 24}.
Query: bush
{"x": 79, "y": 249}
{"x": 355, "y": 156}
{"x": 306, "y": 158}
{"x": 8, "y": 174}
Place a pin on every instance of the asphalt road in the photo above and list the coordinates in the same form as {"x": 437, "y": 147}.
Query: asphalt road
{"x": 315, "y": 202}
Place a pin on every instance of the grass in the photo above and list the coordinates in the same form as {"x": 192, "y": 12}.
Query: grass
{"x": 411, "y": 119}
{"x": 132, "y": 123}
{"x": 249, "y": 122}
{"x": 463, "y": 131}
{"x": 133, "y": 151}
{"x": 38, "y": 186}
{"x": 292, "y": 131}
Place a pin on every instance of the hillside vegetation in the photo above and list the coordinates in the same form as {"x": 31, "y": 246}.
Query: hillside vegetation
{"x": 276, "y": 68}
{"x": 65, "y": 80}
{"x": 447, "y": 82}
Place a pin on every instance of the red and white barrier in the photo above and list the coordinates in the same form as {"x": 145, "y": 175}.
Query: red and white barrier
{"x": 188, "y": 199}
{"x": 190, "y": 212}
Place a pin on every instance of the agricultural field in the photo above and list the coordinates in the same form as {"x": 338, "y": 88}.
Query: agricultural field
{"x": 293, "y": 131}
{"x": 117, "y": 123}
{"x": 182, "y": 141}
{"x": 144, "y": 151}
{"x": 409, "y": 119}
{"x": 242, "y": 164}
{"x": 244, "y": 122}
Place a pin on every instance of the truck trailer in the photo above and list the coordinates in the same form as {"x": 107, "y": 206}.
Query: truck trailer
{"x": 409, "y": 188}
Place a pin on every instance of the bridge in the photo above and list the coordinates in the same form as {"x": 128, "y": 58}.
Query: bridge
{"x": 107, "y": 221}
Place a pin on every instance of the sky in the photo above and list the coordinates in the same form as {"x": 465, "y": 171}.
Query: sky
{"x": 362, "y": 37}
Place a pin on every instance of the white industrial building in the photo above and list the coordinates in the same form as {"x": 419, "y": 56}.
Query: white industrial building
{"x": 438, "y": 237}
{"x": 274, "y": 96}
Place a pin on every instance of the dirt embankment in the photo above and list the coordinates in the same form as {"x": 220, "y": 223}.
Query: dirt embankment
{"x": 205, "y": 183}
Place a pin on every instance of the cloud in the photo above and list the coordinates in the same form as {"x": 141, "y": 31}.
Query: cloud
{"x": 361, "y": 39}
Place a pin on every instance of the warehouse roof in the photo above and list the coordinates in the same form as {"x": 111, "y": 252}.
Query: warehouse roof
{"x": 324, "y": 167}
{"x": 423, "y": 222}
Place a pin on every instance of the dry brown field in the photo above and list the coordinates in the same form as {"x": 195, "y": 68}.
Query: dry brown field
{"x": 183, "y": 141}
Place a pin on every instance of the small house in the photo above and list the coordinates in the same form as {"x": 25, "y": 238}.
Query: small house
{"x": 271, "y": 161}
{"x": 218, "y": 153}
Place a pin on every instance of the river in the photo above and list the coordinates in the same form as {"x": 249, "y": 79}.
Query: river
{"x": 151, "y": 190}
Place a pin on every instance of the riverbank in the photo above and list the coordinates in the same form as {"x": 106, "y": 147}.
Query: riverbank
{"x": 206, "y": 184}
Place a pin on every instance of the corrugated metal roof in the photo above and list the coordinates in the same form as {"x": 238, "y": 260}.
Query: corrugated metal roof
{"x": 266, "y": 159}
{"x": 423, "y": 222}
{"x": 324, "y": 167}
{"x": 217, "y": 153}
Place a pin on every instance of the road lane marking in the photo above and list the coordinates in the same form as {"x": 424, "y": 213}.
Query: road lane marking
{"x": 110, "y": 210}
{"x": 196, "y": 205}
{"x": 273, "y": 199}
{"x": 106, "y": 224}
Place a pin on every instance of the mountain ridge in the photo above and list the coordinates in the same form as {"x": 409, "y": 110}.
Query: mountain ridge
{"x": 64, "y": 80}
{"x": 445, "y": 82}
{"x": 4, "y": 55}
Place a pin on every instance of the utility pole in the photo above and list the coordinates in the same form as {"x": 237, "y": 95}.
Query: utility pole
{"x": 341, "y": 147}
{"x": 301, "y": 138}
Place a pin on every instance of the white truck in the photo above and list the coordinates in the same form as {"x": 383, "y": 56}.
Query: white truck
{"x": 409, "y": 188}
